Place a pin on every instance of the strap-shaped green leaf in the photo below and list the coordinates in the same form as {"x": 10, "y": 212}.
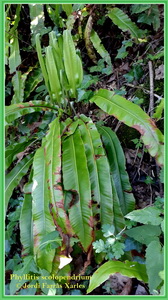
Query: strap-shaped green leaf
{"x": 72, "y": 62}
{"x": 67, "y": 8}
{"x": 13, "y": 178}
{"x": 37, "y": 20}
{"x": 70, "y": 128}
{"x": 99, "y": 171}
{"x": 96, "y": 41}
{"x": 88, "y": 43}
{"x": 119, "y": 221}
{"x": 76, "y": 180}
{"x": 48, "y": 199}
{"x": 7, "y": 30}
{"x": 34, "y": 78}
{"x": 14, "y": 58}
{"x": 128, "y": 268}
{"x": 16, "y": 20}
{"x": 18, "y": 81}
{"x": 57, "y": 51}
{"x": 26, "y": 221}
{"x": 15, "y": 111}
{"x": 118, "y": 169}
{"x": 54, "y": 13}
{"x": 52, "y": 148}
{"x": 11, "y": 35}
{"x": 12, "y": 150}
{"x": 54, "y": 82}
{"x": 154, "y": 264}
{"x": 79, "y": 70}
{"x": 122, "y": 20}
{"x": 42, "y": 219}
{"x": 133, "y": 116}
{"x": 69, "y": 55}
{"x": 41, "y": 61}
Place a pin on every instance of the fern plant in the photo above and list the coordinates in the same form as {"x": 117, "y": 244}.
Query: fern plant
{"x": 76, "y": 178}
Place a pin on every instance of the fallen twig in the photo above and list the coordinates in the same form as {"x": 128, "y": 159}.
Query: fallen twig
{"x": 145, "y": 91}
{"x": 117, "y": 126}
{"x": 151, "y": 104}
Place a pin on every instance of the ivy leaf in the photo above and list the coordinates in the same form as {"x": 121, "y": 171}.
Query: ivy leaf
{"x": 29, "y": 291}
{"x": 137, "y": 100}
{"x": 154, "y": 264}
{"x": 144, "y": 234}
{"x": 129, "y": 76}
{"x": 28, "y": 261}
{"x": 137, "y": 71}
{"x": 107, "y": 70}
{"x": 156, "y": 56}
{"x": 88, "y": 80}
{"x": 45, "y": 282}
{"x": 129, "y": 224}
{"x": 108, "y": 230}
{"x": 118, "y": 249}
{"x": 122, "y": 53}
{"x": 151, "y": 18}
{"x": 138, "y": 8}
{"x": 148, "y": 215}
{"x": 159, "y": 203}
{"x": 148, "y": 180}
{"x": 99, "y": 246}
{"x": 131, "y": 244}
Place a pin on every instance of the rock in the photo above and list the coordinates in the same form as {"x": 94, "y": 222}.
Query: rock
{"x": 141, "y": 290}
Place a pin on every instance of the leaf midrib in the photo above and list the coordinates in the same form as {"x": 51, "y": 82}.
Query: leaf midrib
{"x": 20, "y": 170}
{"x": 118, "y": 170}
{"x": 26, "y": 106}
{"x": 127, "y": 111}
{"x": 77, "y": 180}
{"x": 127, "y": 25}
{"x": 96, "y": 173}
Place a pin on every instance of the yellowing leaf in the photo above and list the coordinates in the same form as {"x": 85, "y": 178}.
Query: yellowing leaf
{"x": 127, "y": 268}
{"x": 133, "y": 116}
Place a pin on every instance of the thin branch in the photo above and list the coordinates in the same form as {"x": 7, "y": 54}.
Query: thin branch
{"x": 139, "y": 165}
{"x": 151, "y": 104}
{"x": 144, "y": 90}
{"x": 117, "y": 126}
